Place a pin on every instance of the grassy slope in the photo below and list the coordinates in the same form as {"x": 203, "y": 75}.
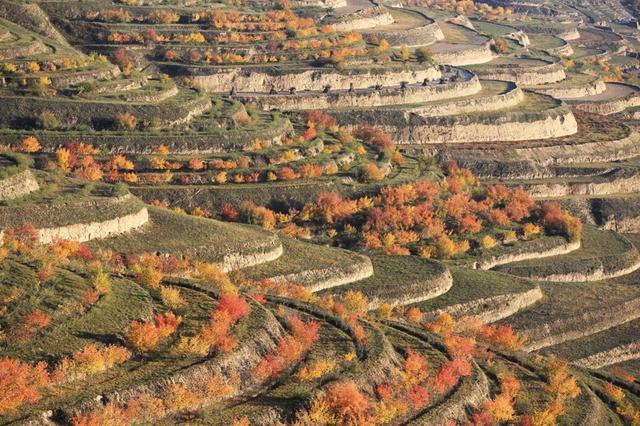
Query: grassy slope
{"x": 205, "y": 239}
{"x": 604, "y": 249}
{"x": 470, "y": 284}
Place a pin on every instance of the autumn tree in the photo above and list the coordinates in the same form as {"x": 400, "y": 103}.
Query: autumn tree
{"x": 20, "y": 383}
{"x": 424, "y": 54}
{"x": 144, "y": 336}
{"x": 125, "y": 121}
{"x": 30, "y": 145}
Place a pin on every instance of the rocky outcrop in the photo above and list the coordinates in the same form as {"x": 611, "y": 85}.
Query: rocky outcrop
{"x": 491, "y": 309}
{"x": 20, "y": 184}
{"x": 322, "y": 279}
{"x": 560, "y": 249}
{"x": 612, "y": 356}
{"x": 586, "y": 324}
{"x": 82, "y": 232}
{"x": 564, "y": 50}
{"x": 519, "y": 37}
{"x": 263, "y": 80}
{"x": 569, "y": 35}
{"x": 366, "y": 98}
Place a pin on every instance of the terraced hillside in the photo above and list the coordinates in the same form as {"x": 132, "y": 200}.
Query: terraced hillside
{"x": 319, "y": 212}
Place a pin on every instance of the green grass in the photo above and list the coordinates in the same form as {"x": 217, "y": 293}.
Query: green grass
{"x": 199, "y": 238}
{"x": 110, "y": 317}
{"x": 600, "y": 249}
{"x": 492, "y": 29}
{"x": 106, "y": 322}
{"x": 289, "y": 393}
{"x": 395, "y": 277}
{"x": 603, "y": 341}
{"x": 473, "y": 284}
{"x": 569, "y": 300}
{"x": 299, "y": 256}
{"x": 61, "y": 202}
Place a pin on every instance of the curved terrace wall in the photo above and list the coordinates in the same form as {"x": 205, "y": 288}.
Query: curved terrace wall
{"x": 82, "y": 232}
{"x": 62, "y": 79}
{"x": 519, "y": 37}
{"x": 466, "y": 56}
{"x": 255, "y": 80}
{"x": 625, "y": 181}
{"x": 597, "y": 274}
{"x": 589, "y": 89}
{"x": 366, "y": 97}
{"x": 607, "y": 107}
{"x": 16, "y": 111}
{"x": 526, "y": 76}
{"x": 492, "y": 309}
{"x": 471, "y": 392}
{"x": 586, "y": 324}
{"x": 367, "y": 18}
{"x": 570, "y": 35}
{"x": 553, "y": 123}
{"x": 178, "y": 143}
{"x": 564, "y": 50}
{"x": 408, "y": 292}
{"x": 321, "y": 279}
{"x": 250, "y": 351}
{"x": 615, "y": 150}
{"x": 486, "y": 103}
{"x": 424, "y": 35}
{"x": 612, "y": 356}
{"x": 21, "y": 183}
{"x": 23, "y": 48}
{"x": 319, "y": 3}
{"x": 32, "y": 17}
{"x": 564, "y": 248}
{"x": 236, "y": 261}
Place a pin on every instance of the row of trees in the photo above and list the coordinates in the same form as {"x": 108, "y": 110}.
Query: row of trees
{"x": 429, "y": 218}
{"x": 79, "y": 159}
{"x": 217, "y": 18}
{"x": 275, "y": 41}
{"x": 50, "y": 66}
{"x": 289, "y": 350}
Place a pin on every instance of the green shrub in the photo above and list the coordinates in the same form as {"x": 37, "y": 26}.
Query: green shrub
{"x": 120, "y": 189}
{"x": 48, "y": 121}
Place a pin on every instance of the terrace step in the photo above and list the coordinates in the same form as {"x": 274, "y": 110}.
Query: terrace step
{"x": 315, "y": 267}
{"x": 400, "y": 280}
{"x": 588, "y": 263}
